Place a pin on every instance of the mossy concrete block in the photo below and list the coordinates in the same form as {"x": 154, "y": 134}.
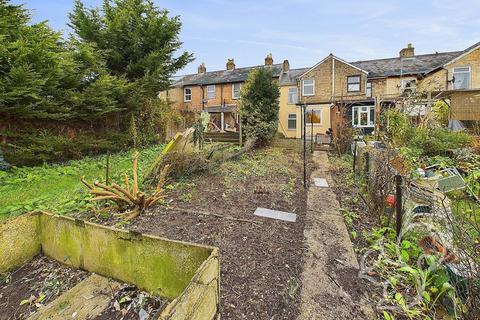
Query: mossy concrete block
{"x": 187, "y": 273}
{"x": 19, "y": 241}
{"x": 201, "y": 298}
{"x": 160, "y": 266}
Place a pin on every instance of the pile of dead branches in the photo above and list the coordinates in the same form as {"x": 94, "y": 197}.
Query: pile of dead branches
{"x": 128, "y": 199}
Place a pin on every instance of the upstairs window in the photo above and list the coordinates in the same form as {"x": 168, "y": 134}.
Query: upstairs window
{"x": 211, "y": 92}
{"x": 236, "y": 90}
{"x": 368, "y": 89}
{"x": 292, "y": 121}
{"x": 461, "y": 78}
{"x": 353, "y": 83}
{"x": 363, "y": 116}
{"x": 292, "y": 95}
{"x": 314, "y": 116}
{"x": 308, "y": 87}
{"x": 187, "y": 94}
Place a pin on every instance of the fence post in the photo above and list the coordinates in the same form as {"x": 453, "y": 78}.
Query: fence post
{"x": 398, "y": 204}
{"x": 367, "y": 164}
{"x": 304, "y": 146}
{"x": 107, "y": 169}
{"x": 354, "y": 157}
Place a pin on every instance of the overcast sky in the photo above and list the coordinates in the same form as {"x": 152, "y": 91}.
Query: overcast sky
{"x": 304, "y": 31}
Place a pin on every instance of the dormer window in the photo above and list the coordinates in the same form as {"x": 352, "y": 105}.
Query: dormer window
{"x": 308, "y": 87}
{"x": 353, "y": 83}
{"x": 461, "y": 78}
{"x": 187, "y": 94}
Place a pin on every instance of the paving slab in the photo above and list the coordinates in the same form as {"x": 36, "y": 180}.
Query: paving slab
{"x": 275, "y": 214}
{"x": 320, "y": 182}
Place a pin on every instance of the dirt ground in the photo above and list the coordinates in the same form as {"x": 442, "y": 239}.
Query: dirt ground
{"x": 34, "y": 284}
{"x": 261, "y": 262}
{"x": 361, "y": 223}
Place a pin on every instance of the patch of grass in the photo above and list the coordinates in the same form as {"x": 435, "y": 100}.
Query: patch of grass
{"x": 268, "y": 161}
{"x": 57, "y": 187}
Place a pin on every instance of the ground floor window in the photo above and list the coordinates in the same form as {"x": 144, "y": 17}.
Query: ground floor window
{"x": 292, "y": 121}
{"x": 314, "y": 116}
{"x": 363, "y": 116}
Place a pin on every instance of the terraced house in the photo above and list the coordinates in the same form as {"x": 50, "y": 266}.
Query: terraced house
{"x": 336, "y": 91}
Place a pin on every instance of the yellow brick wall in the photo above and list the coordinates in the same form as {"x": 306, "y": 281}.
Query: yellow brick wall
{"x": 322, "y": 74}
{"x": 285, "y": 110}
{"x": 435, "y": 81}
{"x": 471, "y": 60}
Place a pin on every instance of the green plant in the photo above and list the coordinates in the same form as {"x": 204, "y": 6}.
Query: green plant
{"x": 259, "y": 106}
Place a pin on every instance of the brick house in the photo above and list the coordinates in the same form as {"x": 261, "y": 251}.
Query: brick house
{"x": 335, "y": 90}
{"x": 216, "y": 92}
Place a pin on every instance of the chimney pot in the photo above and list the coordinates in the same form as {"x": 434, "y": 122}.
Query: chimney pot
{"x": 407, "y": 52}
{"x": 230, "y": 64}
{"x": 202, "y": 68}
{"x": 269, "y": 60}
{"x": 286, "y": 66}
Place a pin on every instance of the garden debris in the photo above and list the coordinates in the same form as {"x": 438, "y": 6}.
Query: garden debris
{"x": 129, "y": 303}
{"x": 34, "y": 285}
{"x": 132, "y": 198}
{"x": 262, "y": 189}
{"x": 275, "y": 214}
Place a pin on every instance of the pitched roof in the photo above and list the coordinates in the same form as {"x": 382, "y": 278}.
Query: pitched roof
{"x": 290, "y": 77}
{"x": 225, "y": 76}
{"x": 415, "y": 65}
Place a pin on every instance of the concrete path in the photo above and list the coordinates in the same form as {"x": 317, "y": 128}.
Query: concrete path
{"x": 329, "y": 279}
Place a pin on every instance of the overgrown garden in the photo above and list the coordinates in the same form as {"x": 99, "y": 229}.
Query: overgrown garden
{"x": 411, "y": 204}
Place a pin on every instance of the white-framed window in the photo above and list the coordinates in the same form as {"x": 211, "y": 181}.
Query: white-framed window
{"x": 187, "y": 94}
{"x": 308, "y": 87}
{"x": 236, "y": 90}
{"x": 353, "y": 83}
{"x": 292, "y": 121}
{"x": 363, "y": 116}
{"x": 461, "y": 77}
{"x": 292, "y": 95}
{"x": 211, "y": 92}
{"x": 314, "y": 116}
{"x": 368, "y": 89}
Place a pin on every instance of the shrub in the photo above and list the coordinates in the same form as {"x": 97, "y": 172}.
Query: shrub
{"x": 259, "y": 106}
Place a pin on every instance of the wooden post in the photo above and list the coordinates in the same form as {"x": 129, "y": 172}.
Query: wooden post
{"x": 107, "y": 169}
{"x": 311, "y": 132}
{"x": 240, "y": 130}
{"x": 304, "y": 146}
{"x": 367, "y": 164}
{"x": 398, "y": 204}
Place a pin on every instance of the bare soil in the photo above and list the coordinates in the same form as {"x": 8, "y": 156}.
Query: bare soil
{"x": 349, "y": 199}
{"x": 34, "y": 284}
{"x": 261, "y": 262}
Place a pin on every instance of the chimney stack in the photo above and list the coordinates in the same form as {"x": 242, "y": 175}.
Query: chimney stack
{"x": 286, "y": 66}
{"x": 230, "y": 64}
{"x": 202, "y": 68}
{"x": 269, "y": 60}
{"x": 407, "y": 52}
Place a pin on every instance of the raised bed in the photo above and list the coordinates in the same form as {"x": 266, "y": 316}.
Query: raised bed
{"x": 187, "y": 274}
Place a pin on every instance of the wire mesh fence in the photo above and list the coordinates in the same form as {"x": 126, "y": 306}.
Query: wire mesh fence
{"x": 420, "y": 205}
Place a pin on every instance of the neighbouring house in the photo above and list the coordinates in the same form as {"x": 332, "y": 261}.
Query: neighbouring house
{"x": 216, "y": 92}
{"x": 335, "y": 91}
